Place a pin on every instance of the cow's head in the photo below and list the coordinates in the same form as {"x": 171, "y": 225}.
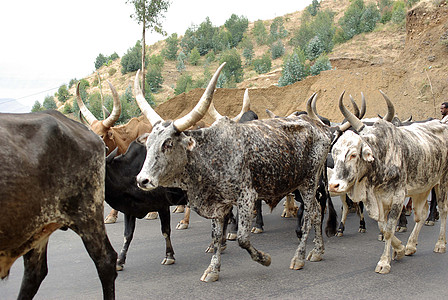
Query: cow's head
{"x": 350, "y": 154}
{"x": 102, "y": 128}
{"x": 167, "y": 145}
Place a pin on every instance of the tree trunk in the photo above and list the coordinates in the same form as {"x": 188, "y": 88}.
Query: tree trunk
{"x": 143, "y": 56}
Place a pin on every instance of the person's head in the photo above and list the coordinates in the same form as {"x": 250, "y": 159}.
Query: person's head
{"x": 444, "y": 108}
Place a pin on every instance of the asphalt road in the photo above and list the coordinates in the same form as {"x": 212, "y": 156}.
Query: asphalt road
{"x": 346, "y": 272}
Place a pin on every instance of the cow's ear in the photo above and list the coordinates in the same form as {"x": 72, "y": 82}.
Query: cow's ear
{"x": 190, "y": 143}
{"x": 367, "y": 153}
{"x": 142, "y": 139}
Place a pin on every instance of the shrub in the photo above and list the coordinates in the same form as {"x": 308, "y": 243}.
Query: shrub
{"x": 67, "y": 108}
{"x": 260, "y": 33}
{"x": 113, "y": 56}
{"x": 398, "y": 12}
{"x": 314, "y": 49}
{"x": 49, "y": 103}
{"x": 210, "y": 57}
{"x": 154, "y": 79}
{"x": 194, "y": 56}
{"x": 277, "y": 30}
{"x": 63, "y": 93}
{"x": 132, "y": 60}
{"x": 369, "y": 18}
{"x": 100, "y": 61}
{"x": 171, "y": 47}
{"x": 112, "y": 71}
{"x": 313, "y": 7}
{"x": 184, "y": 84}
{"x": 277, "y": 49}
{"x": 263, "y": 64}
{"x": 236, "y": 27}
{"x": 322, "y": 63}
{"x": 37, "y": 107}
{"x": 233, "y": 70}
{"x": 294, "y": 69}
{"x": 351, "y": 19}
{"x": 248, "y": 53}
{"x": 180, "y": 66}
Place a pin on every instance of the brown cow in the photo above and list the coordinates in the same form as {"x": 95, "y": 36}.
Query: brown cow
{"x": 115, "y": 136}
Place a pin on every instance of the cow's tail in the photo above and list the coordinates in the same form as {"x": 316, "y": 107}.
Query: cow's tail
{"x": 331, "y": 227}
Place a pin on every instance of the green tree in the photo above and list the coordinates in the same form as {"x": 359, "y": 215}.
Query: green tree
{"x": 248, "y": 51}
{"x": 350, "y": 22}
{"x": 236, "y": 26}
{"x": 100, "y": 61}
{"x": 233, "y": 70}
{"x": 113, "y": 56}
{"x": 67, "y": 108}
{"x": 180, "y": 66}
{"x": 398, "y": 12}
{"x": 132, "y": 60}
{"x": 313, "y": 7}
{"x": 263, "y": 64}
{"x": 277, "y": 30}
{"x": 184, "y": 84}
{"x": 171, "y": 47}
{"x": 149, "y": 14}
{"x": 369, "y": 18}
{"x": 294, "y": 69}
{"x": 260, "y": 33}
{"x": 194, "y": 56}
{"x": 49, "y": 103}
{"x": 37, "y": 107}
{"x": 315, "y": 48}
{"x": 277, "y": 49}
{"x": 63, "y": 93}
{"x": 322, "y": 63}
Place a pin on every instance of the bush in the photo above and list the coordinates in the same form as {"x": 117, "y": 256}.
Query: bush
{"x": 322, "y": 63}
{"x": 248, "y": 53}
{"x": 37, "y": 107}
{"x": 315, "y": 48}
{"x": 313, "y": 7}
{"x": 260, "y": 33}
{"x": 171, "y": 47}
{"x": 263, "y": 64}
{"x": 154, "y": 79}
{"x": 67, "y": 108}
{"x": 277, "y": 30}
{"x": 184, "y": 84}
{"x": 132, "y": 60}
{"x": 180, "y": 66}
{"x": 350, "y": 22}
{"x": 294, "y": 69}
{"x": 194, "y": 56}
{"x": 210, "y": 57}
{"x": 236, "y": 27}
{"x": 112, "y": 71}
{"x": 49, "y": 103}
{"x": 277, "y": 49}
{"x": 100, "y": 61}
{"x": 398, "y": 12}
{"x": 113, "y": 56}
{"x": 63, "y": 93}
{"x": 72, "y": 82}
{"x": 233, "y": 70}
{"x": 369, "y": 18}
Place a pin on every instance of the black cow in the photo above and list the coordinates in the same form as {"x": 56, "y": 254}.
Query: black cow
{"x": 123, "y": 195}
{"x": 51, "y": 177}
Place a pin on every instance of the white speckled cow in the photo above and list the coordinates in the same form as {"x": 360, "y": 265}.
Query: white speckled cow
{"x": 236, "y": 164}
{"x": 381, "y": 164}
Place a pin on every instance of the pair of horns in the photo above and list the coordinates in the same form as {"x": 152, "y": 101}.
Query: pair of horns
{"x": 186, "y": 121}
{"x": 113, "y": 117}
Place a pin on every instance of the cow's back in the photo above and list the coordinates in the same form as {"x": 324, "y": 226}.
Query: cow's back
{"x": 48, "y": 162}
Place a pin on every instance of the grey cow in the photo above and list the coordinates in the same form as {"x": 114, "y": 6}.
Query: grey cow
{"x": 381, "y": 164}
{"x": 236, "y": 164}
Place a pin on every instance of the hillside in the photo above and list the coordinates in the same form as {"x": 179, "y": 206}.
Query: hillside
{"x": 408, "y": 65}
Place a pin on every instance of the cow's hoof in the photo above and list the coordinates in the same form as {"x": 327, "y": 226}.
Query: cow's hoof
{"x": 314, "y": 256}
{"x": 296, "y": 264}
{"x": 181, "y": 226}
{"x": 209, "y": 249}
{"x": 110, "y": 219}
{"x": 401, "y": 229}
{"x": 151, "y": 215}
{"x": 362, "y": 230}
{"x": 264, "y": 258}
{"x": 178, "y": 209}
{"x": 382, "y": 268}
{"x": 381, "y": 237}
{"x": 429, "y": 223}
{"x": 440, "y": 247}
{"x": 168, "y": 261}
{"x": 119, "y": 267}
{"x": 231, "y": 236}
{"x": 256, "y": 230}
{"x": 339, "y": 233}
{"x": 209, "y": 276}
{"x": 410, "y": 250}
{"x": 399, "y": 254}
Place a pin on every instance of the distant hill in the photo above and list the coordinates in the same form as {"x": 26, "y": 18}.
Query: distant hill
{"x": 9, "y": 105}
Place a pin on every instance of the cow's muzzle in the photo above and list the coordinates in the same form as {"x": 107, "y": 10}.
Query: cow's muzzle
{"x": 145, "y": 184}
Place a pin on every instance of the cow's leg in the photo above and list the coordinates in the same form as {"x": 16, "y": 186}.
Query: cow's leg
{"x": 35, "y": 270}
{"x": 233, "y": 226}
{"x": 420, "y": 211}
{"x": 408, "y": 210}
{"x": 311, "y": 217}
{"x": 245, "y": 208}
{"x": 298, "y": 198}
{"x": 111, "y": 217}
{"x": 430, "y": 221}
{"x": 443, "y": 208}
{"x": 102, "y": 253}
{"x": 179, "y": 209}
{"x": 291, "y": 208}
{"x": 344, "y": 215}
{"x": 183, "y": 224}
{"x": 129, "y": 228}
{"x": 387, "y": 228}
{"x": 211, "y": 247}
{"x": 402, "y": 221}
{"x": 165, "y": 223}
{"x": 362, "y": 222}
{"x": 259, "y": 218}
{"x": 218, "y": 233}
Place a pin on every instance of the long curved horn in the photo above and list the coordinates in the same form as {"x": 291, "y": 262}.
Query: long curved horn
{"x": 213, "y": 112}
{"x": 313, "y": 106}
{"x": 355, "y": 107}
{"x": 83, "y": 109}
{"x": 201, "y": 107}
{"x": 146, "y": 109}
{"x": 354, "y": 121}
{"x": 116, "y": 111}
{"x": 408, "y": 119}
{"x": 246, "y": 106}
{"x": 309, "y": 109}
{"x": 363, "y": 106}
{"x": 390, "y": 108}
{"x": 270, "y": 114}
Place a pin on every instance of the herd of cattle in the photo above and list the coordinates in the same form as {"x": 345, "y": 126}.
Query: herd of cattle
{"x": 56, "y": 174}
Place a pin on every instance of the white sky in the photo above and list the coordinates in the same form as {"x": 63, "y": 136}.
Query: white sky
{"x": 46, "y": 43}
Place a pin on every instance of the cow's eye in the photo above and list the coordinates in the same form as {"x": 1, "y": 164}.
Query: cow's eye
{"x": 353, "y": 156}
{"x": 168, "y": 144}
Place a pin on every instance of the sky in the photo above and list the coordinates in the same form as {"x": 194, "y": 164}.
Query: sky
{"x": 46, "y": 43}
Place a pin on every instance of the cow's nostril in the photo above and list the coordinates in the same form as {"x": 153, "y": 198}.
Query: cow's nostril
{"x": 145, "y": 181}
